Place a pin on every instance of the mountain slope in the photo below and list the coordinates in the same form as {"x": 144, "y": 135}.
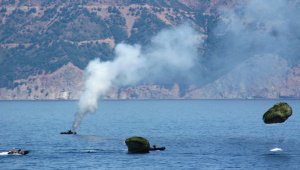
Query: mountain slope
{"x": 250, "y": 48}
{"x": 252, "y": 79}
{"x": 37, "y": 36}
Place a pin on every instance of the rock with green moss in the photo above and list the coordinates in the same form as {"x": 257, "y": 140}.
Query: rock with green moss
{"x": 137, "y": 144}
{"x": 279, "y": 113}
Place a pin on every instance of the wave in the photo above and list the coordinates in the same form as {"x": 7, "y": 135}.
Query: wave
{"x": 3, "y": 153}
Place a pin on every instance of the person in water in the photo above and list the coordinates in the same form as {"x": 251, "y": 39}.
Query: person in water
{"x": 155, "y": 148}
{"x": 14, "y": 151}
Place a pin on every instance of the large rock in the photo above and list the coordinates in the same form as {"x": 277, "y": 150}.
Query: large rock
{"x": 137, "y": 144}
{"x": 278, "y": 113}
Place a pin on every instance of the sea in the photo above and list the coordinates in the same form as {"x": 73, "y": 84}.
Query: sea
{"x": 197, "y": 134}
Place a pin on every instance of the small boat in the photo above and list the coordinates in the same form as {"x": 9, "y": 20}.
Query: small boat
{"x": 15, "y": 152}
{"x": 158, "y": 148}
{"x": 69, "y": 132}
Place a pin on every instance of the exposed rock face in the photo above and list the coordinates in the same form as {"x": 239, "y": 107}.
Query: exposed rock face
{"x": 40, "y": 39}
{"x": 292, "y": 83}
{"x": 259, "y": 77}
{"x": 37, "y": 36}
{"x": 64, "y": 83}
{"x": 150, "y": 91}
{"x": 278, "y": 80}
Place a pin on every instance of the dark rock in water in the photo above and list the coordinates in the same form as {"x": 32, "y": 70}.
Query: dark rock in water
{"x": 279, "y": 113}
{"x": 69, "y": 132}
{"x": 137, "y": 144}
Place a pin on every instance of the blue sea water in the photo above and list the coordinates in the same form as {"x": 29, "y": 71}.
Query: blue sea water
{"x": 197, "y": 134}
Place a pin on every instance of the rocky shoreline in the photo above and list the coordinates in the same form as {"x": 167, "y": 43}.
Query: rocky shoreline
{"x": 66, "y": 83}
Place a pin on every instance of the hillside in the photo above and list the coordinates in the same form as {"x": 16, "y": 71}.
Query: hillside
{"x": 45, "y": 46}
{"x": 248, "y": 82}
{"x": 66, "y": 84}
{"x": 37, "y": 36}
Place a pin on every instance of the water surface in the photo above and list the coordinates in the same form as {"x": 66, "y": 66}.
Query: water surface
{"x": 198, "y": 134}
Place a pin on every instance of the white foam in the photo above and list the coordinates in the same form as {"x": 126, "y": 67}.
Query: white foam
{"x": 276, "y": 150}
{"x": 3, "y": 153}
{"x": 6, "y": 153}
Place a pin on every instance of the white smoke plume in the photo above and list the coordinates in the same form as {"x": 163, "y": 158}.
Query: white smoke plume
{"x": 170, "y": 52}
{"x": 253, "y": 28}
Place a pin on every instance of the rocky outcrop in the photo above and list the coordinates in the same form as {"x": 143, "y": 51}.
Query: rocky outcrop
{"x": 267, "y": 76}
{"x": 65, "y": 83}
{"x": 150, "y": 91}
{"x": 37, "y": 36}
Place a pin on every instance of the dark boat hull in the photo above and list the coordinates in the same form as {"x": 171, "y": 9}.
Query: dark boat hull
{"x": 158, "y": 149}
{"x": 69, "y": 132}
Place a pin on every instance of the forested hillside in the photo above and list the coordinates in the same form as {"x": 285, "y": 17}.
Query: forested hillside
{"x": 250, "y": 48}
{"x": 42, "y": 36}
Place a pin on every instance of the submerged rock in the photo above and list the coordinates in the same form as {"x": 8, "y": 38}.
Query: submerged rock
{"x": 137, "y": 144}
{"x": 279, "y": 113}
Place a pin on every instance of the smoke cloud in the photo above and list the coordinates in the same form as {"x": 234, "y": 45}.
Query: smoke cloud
{"x": 260, "y": 34}
{"x": 253, "y": 28}
{"x": 171, "y": 53}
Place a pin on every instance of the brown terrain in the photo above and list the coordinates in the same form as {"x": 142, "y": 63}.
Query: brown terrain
{"x": 45, "y": 46}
